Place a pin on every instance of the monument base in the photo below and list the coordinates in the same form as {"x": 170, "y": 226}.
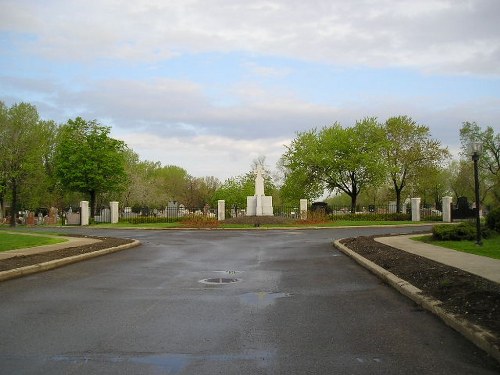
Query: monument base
{"x": 259, "y": 205}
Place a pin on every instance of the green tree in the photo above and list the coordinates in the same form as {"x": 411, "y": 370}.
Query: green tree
{"x": 3, "y": 148}
{"x": 23, "y": 141}
{"x": 409, "y": 151}
{"x": 88, "y": 160}
{"x": 489, "y": 161}
{"x": 337, "y": 159}
{"x": 200, "y": 191}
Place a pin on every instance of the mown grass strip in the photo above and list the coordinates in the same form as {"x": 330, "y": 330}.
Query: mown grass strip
{"x": 12, "y": 241}
{"x": 490, "y": 247}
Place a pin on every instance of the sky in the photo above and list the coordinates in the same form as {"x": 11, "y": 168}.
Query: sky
{"x": 211, "y": 85}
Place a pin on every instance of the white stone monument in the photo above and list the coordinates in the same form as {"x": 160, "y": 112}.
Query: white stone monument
{"x": 259, "y": 204}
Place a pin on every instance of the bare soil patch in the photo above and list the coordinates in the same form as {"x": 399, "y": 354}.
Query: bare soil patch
{"x": 28, "y": 260}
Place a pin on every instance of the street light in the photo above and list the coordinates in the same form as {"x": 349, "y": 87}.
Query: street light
{"x": 475, "y": 149}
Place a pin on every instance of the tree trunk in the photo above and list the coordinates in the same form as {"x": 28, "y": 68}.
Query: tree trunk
{"x": 13, "y": 209}
{"x": 398, "y": 201}
{"x": 398, "y": 190}
{"x": 353, "y": 202}
{"x": 92, "y": 204}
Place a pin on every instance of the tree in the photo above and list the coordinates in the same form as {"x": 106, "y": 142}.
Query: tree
{"x": 489, "y": 161}
{"x": 23, "y": 142}
{"x": 200, "y": 191}
{"x": 409, "y": 151}
{"x": 3, "y": 148}
{"x": 337, "y": 159}
{"x": 88, "y": 160}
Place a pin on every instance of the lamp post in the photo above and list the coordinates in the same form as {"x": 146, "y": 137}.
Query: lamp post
{"x": 475, "y": 149}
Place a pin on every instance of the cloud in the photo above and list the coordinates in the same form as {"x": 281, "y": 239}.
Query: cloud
{"x": 218, "y": 156}
{"x": 432, "y": 35}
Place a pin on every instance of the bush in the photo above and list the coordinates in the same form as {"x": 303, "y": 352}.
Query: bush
{"x": 493, "y": 220}
{"x": 149, "y": 220}
{"x": 460, "y": 232}
{"x": 200, "y": 221}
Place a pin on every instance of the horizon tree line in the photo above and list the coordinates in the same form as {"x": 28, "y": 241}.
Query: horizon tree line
{"x": 47, "y": 164}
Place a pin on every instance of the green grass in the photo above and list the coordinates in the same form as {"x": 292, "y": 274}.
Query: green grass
{"x": 11, "y": 241}
{"x": 490, "y": 247}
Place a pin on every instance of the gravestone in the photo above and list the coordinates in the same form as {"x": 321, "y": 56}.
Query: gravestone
{"x": 52, "y": 215}
{"x": 30, "y": 220}
{"x": 462, "y": 210}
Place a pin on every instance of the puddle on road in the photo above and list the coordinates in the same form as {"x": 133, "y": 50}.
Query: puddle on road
{"x": 262, "y": 299}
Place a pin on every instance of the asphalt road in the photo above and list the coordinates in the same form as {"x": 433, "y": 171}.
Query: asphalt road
{"x": 294, "y": 306}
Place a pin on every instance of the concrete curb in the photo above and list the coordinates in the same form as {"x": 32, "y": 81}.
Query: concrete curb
{"x": 28, "y": 270}
{"x": 477, "y": 335}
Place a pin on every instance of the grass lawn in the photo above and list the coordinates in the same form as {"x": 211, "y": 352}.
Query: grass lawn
{"x": 490, "y": 247}
{"x": 11, "y": 241}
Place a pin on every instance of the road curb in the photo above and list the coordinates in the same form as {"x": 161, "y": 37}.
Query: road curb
{"x": 477, "y": 335}
{"x": 45, "y": 266}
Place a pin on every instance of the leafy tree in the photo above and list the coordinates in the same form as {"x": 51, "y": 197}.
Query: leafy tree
{"x": 489, "y": 161}
{"x": 4, "y": 118}
{"x": 88, "y": 160}
{"x": 200, "y": 191}
{"x": 409, "y": 151}
{"x": 337, "y": 159}
{"x": 461, "y": 178}
{"x": 23, "y": 141}
{"x": 175, "y": 184}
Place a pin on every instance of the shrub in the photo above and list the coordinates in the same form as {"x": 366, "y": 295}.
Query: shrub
{"x": 461, "y": 232}
{"x": 200, "y": 221}
{"x": 493, "y": 220}
{"x": 314, "y": 217}
{"x": 149, "y": 220}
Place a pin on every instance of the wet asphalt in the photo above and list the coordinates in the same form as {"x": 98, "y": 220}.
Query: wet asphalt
{"x": 289, "y": 303}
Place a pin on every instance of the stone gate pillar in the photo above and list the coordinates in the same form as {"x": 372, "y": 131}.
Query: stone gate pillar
{"x": 415, "y": 209}
{"x": 221, "y": 210}
{"x": 447, "y": 209}
{"x": 303, "y": 209}
{"x": 84, "y": 213}
{"x": 114, "y": 212}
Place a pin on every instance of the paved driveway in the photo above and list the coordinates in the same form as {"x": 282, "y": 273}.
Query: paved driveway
{"x": 296, "y": 306}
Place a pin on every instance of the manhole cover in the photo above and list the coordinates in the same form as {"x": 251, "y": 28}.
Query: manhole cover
{"x": 219, "y": 280}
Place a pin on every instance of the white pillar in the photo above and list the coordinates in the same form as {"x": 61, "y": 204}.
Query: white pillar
{"x": 415, "y": 209}
{"x": 393, "y": 207}
{"x": 221, "y": 210}
{"x": 447, "y": 209}
{"x": 114, "y": 212}
{"x": 303, "y": 209}
{"x": 84, "y": 213}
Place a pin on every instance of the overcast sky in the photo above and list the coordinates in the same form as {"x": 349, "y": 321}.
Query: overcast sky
{"x": 210, "y": 85}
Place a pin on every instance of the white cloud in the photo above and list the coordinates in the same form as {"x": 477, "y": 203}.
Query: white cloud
{"x": 218, "y": 156}
{"x": 434, "y": 35}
